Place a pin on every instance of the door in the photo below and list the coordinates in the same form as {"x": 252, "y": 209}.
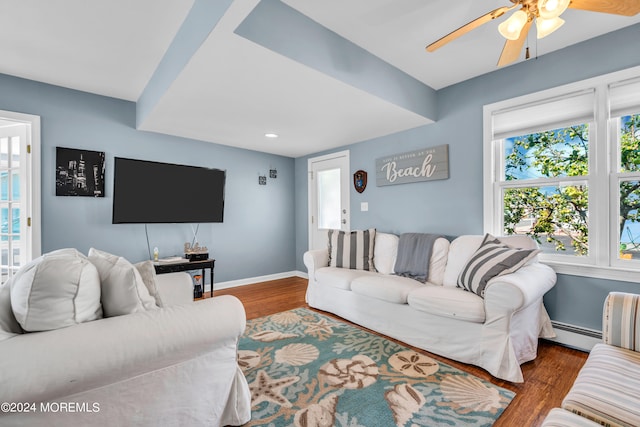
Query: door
{"x": 19, "y": 239}
{"x": 328, "y": 197}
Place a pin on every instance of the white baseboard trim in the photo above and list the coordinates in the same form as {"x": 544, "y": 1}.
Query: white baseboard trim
{"x": 259, "y": 279}
{"x": 575, "y": 336}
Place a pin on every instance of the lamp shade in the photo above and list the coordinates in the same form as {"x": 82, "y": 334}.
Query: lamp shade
{"x": 547, "y": 26}
{"x": 511, "y": 28}
{"x": 549, "y": 9}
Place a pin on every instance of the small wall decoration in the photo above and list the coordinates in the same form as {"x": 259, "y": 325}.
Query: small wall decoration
{"x": 360, "y": 180}
{"x": 414, "y": 166}
{"x": 262, "y": 180}
{"x": 79, "y": 172}
{"x": 273, "y": 173}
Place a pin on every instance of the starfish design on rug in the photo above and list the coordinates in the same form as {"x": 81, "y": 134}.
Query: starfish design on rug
{"x": 320, "y": 327}
{"x": 264, "y": 388}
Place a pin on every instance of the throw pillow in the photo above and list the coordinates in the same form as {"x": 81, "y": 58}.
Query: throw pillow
{"x": 353, "y": 250}
{"x": 56, "y": 290}
{"x": 9, "y": 326}
{"x": 123, "y": 290}
{"x": 148, "y": 273}
{"x": 493, "y": 258}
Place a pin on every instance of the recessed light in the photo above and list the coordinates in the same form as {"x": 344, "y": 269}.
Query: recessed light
{"x": 271, "y": 135}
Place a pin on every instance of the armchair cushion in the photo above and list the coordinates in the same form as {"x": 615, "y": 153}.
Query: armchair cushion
{"x": 148, "y": 274}
{"x": 621, "y": 320}
{"x": 9, "y": 326}
{"x": 56, "y": 290}
{"x": 123, "y": 290}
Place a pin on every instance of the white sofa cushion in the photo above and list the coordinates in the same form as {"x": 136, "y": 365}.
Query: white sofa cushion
{"x": 438, "y": 262}
{"x": 56, "y": 290}
{"x": 353, "y": 249}
{"x": 450, "y": 302}
{"x": 462, "y": 248}
{"x": 9, "y": 326}
{"x": 389, "y": 288}
{"x": 340, "y": 278}
{"x": 385, "y": 251}
{"x": 123, "y": 290}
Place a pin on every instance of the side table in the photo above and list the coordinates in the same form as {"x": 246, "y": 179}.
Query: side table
{"x": 186, "y": 265}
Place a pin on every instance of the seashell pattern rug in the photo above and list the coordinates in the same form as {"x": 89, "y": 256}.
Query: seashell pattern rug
{"x": 308, "y": 369}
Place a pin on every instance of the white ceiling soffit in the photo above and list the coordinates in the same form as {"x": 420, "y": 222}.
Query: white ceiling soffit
{"x": 233, "y": 91}
{"x": 399, "y": 30}
{"x": 108, "y": 48}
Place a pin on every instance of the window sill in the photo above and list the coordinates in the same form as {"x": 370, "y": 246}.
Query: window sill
{"x": 607, "y": 273}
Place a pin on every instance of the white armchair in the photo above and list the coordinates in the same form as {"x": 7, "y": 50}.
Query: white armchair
{"x": 166, "y": 367}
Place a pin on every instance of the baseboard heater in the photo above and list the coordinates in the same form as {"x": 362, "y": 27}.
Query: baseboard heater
{"x": 575, "y": 336}
{"x": 577, "y": 329}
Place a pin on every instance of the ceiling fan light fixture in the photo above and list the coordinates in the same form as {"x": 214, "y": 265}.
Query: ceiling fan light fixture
{"x": 511, "y": 28}
{"x": 549, "y": 9}
{"x": 547, "y": 26}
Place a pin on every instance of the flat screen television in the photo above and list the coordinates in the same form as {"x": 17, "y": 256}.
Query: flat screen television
{"x": 152, "y": 192}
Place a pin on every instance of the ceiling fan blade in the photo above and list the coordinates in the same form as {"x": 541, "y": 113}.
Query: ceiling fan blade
{"x": 617, "y": 7}
{"x": 512, "y": 48}
{"x": 469, "y": 26}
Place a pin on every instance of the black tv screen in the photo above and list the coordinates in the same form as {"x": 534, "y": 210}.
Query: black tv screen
{"x": 153, "y": 192}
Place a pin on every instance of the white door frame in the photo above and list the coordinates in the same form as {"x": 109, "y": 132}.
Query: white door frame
{"x": 310, "y": 191}
{"x": 32, "y": 168}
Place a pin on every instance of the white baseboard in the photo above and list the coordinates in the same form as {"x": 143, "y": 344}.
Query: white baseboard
{"x": 259, "y": 279}
{"x": 575, "y": 336}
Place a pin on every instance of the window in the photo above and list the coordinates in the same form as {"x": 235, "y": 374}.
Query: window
{"x": 563, "y": 166}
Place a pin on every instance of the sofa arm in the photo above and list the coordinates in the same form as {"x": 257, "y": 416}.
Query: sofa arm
{"x": 41, "y": 366}
{"x": 315, "y": 259}
{"x": 515, "y": 291}
{"x": 174, "y": 288}
{"x": 621, "y": 320}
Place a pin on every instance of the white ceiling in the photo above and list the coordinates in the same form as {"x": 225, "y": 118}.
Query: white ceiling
{"x": 232, "y": 90}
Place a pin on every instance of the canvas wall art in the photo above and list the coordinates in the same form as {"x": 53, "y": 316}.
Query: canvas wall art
{"x": 79, "y": 172}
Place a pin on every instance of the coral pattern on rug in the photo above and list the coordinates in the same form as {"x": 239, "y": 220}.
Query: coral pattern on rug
{"x": 307, "y": 369}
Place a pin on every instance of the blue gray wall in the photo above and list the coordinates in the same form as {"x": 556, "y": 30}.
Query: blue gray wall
{"x": 454, "y": 206}
{"x": 257, "y": 218}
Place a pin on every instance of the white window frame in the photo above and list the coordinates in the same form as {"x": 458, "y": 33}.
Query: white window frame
{"x": 602, "y": 181}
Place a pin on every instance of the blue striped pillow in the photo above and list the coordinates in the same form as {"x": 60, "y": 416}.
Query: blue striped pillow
{"x": 353, "y": 250}
{"x": 493, "y": 258}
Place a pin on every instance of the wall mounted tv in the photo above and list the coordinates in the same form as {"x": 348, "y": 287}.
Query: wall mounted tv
{"x": 152, "y": 192}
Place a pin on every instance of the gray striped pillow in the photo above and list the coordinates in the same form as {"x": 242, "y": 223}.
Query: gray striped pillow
{"x": 352, "y": 249}
{"x": 493, "y": 258}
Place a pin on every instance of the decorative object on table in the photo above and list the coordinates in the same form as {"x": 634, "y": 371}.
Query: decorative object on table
{"x": 273, "y": 173}
{"x": 304, "y": 368}
{"x": 262, "y": 180}
{"x": 79, "y": 172}
{"x": 195, "y": 252}
{"x": 197, "y": 286}
{"x": 360, "y": 180}
{"x": 427, "y": 164}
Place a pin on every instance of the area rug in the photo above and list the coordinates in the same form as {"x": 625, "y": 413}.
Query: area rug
{"x": 308, "y": 369}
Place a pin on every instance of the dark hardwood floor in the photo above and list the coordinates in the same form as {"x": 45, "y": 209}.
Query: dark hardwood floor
{"x": 546, "y": 379}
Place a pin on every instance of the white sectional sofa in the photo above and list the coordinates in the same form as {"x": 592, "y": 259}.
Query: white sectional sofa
{"x": 168, "y": 365}
{"x": 497, "y": 332}
{"x": 607, "y": 389}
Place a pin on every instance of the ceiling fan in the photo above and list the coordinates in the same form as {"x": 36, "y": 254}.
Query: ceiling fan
{"x": 546, "y": 14}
